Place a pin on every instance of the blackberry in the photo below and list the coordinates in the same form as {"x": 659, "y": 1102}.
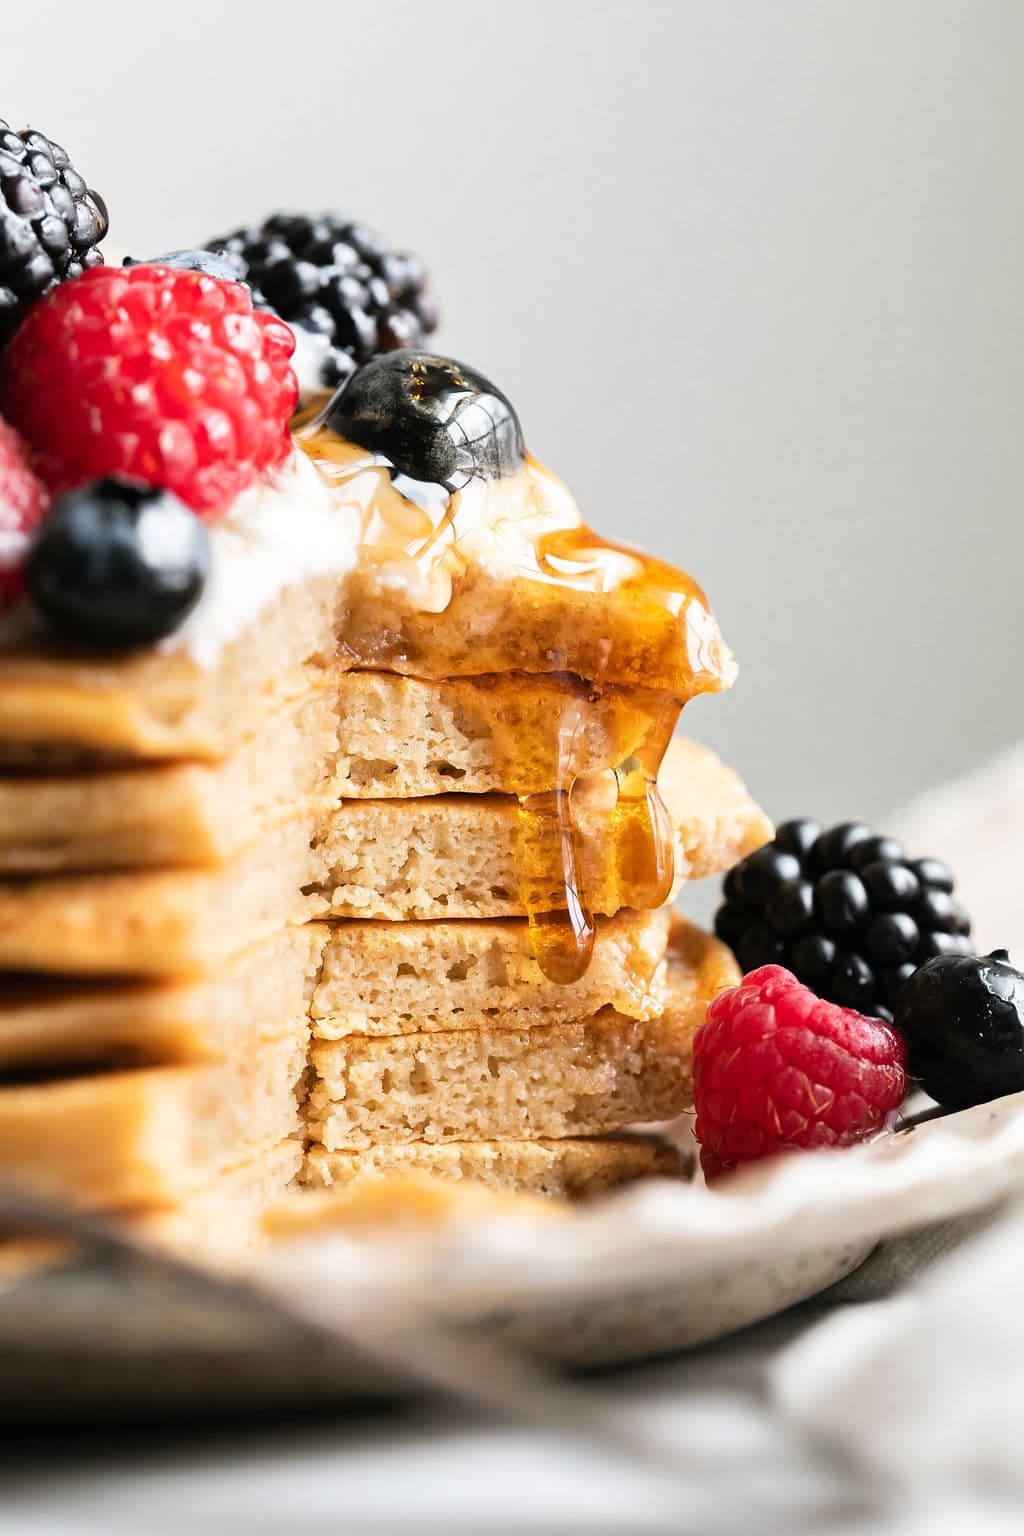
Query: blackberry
{"x": 336, "y": 279}
{"x": 50, "y": 222}
{"x": 845, "y": 910}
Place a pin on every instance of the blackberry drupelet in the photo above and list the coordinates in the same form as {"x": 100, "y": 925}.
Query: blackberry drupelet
{"x": 338, "y": 280}
{"x": 50, "y": 222}
{"x": 845, "y": 910}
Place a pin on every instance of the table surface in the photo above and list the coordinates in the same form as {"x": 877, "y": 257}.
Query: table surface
{"x": 725, "y": 1466}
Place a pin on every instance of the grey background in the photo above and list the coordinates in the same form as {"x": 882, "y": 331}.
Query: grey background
{"x": 751, "y": 272}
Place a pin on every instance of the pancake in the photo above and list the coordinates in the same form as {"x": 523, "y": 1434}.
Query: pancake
{"x": 578, "y": 1078}
{"x": 576, "y": 1168}
{"x": 154, "y": 1136}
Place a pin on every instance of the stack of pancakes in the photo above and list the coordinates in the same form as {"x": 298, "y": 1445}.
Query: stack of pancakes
{"x": 284, "y": 919}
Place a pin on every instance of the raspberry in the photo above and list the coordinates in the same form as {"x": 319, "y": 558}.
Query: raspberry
{"x": 23, "y": 501}
{"x": 776, "y": 1068}
{"x": 159, "y": 376}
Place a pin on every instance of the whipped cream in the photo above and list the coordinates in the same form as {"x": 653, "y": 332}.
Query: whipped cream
{"x": 291, "y": 527}
{"x": 311, "y": 349}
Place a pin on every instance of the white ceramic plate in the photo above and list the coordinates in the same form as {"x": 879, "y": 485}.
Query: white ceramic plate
{"x": 659, "y": 1269}
{"x": 667, "y": 1266}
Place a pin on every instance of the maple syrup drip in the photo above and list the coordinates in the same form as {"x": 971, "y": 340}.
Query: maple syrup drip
{"x": 602, "y": 617}
{"x": 632, "y": 855}
{"x": 550, "y": 859}
{"x": 641, "y": 829}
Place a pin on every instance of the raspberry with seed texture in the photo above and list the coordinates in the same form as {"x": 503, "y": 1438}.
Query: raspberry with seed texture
{"x": 154, "y": 375}
{"x": 23, "y": 500}
{"x": 776, "y": 1068}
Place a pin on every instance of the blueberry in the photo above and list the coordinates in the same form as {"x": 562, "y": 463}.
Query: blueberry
{"x": 853, "y": 983}
{"x": 891, "y": 938}
{"x": 813, "y": 959}
{"x": 834, "y": 847}
{"x": 213, "y": 263}
{"x": 874, "y": 850}
{"x": 790, "y": 908}
{"x": 890, "y": 886}
{"x": 117, "y": 564}
{"x": 764, "y": 871}
{"x": 798, "y": 836}
{"x": 963, "y": 1019}
{"x": 731, "y": 883}
{"x": 841, "y": 901}
{"x": 934, "y": 873}
{"x": 432, "y": 419}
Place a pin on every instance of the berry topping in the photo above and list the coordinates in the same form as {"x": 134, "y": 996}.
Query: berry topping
{"x": 23, "y": 501}
{"x": 435, "y": 421}
{"x": 339, "y": 280}
{"x": 117, "y": 564}
{"x": 161, "y": 376}
{"x": 227, "y": 268}
{"x": 844, "y": 909}
{"x": 775, "y": 1068}
{"x": 962, "y": 1017}
{"x": 50, "y": 223}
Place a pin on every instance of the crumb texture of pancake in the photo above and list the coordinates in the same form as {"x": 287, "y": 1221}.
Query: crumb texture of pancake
{"x": 602, "y": 1072}
{"x": 358, "y": 886}
{"x": 575, "y": 1168}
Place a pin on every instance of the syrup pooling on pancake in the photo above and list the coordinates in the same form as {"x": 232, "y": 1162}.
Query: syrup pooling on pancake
{"x": 479, "y": 562}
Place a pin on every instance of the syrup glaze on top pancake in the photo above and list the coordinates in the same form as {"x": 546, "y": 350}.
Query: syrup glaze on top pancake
{"x": 481, "y": 562}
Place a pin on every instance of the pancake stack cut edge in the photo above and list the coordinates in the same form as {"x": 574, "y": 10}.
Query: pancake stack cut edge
{"x": 263, "y": 924}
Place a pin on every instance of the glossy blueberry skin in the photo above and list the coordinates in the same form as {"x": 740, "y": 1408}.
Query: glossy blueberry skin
{"x": 963, "y": 1019}
{"x": 212, "y": 263}
{"x": 434, "y": 420}
{"x": 117, "y": 565}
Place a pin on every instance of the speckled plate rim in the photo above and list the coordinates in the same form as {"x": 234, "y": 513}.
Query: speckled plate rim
{"x": 772, "y": 1236}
